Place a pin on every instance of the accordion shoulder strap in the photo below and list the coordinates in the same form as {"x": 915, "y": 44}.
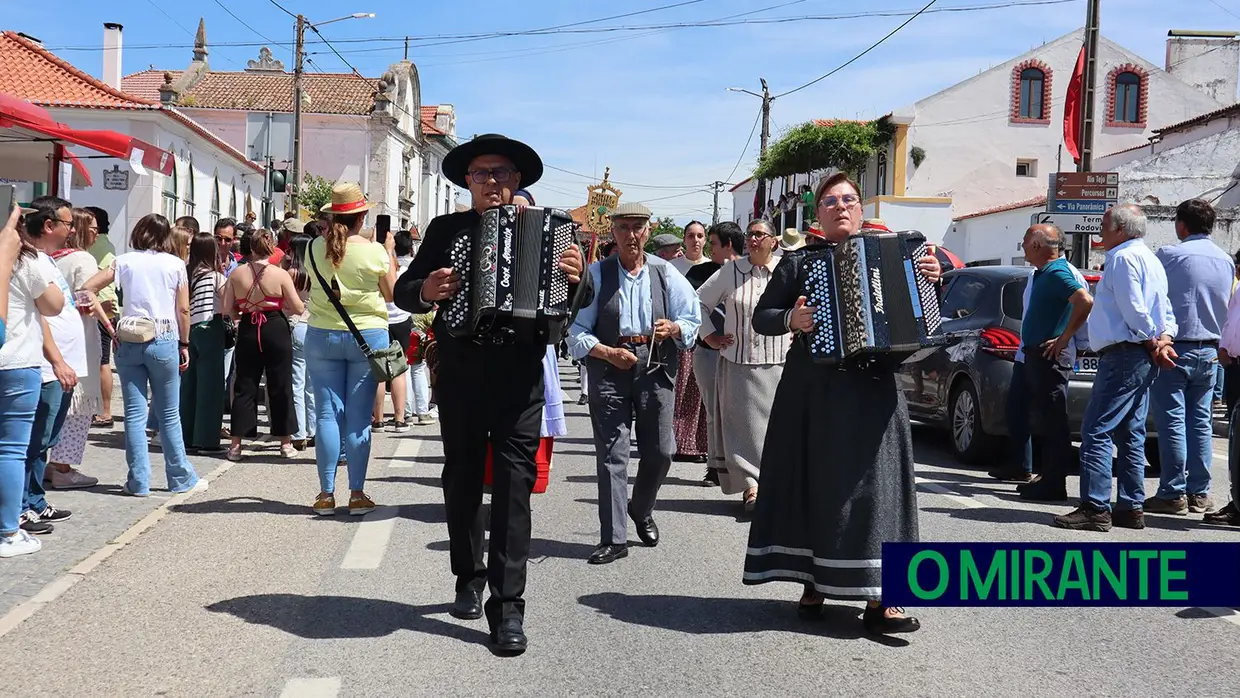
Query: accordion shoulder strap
{"x": 344, "y": 314}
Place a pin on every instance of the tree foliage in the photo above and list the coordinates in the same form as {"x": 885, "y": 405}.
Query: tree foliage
{"x": 842, "y": 145}
{"x": 316, "y": 192}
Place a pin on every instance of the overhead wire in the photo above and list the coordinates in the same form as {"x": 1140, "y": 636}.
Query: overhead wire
{"x": 745, "y": 150}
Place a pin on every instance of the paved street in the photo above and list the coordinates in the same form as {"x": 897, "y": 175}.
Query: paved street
{"x": 241, "y": 592}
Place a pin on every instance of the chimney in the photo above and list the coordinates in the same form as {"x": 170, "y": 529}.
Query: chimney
{"x": 112, "y": 54}
{"x": 1207, "y": 60}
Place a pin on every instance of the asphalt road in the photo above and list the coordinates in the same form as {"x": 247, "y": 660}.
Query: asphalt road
{"x": 239, "y": 591}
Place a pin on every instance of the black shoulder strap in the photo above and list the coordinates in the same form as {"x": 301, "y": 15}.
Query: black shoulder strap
{"x": 344, "y": 315}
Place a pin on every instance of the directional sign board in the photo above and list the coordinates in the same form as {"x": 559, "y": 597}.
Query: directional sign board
{"x": 1082, "y": 192}
{"x": 1085, "y": 179}
{"x": 1079, "y": 206}
{"x": 1071, "y": 224}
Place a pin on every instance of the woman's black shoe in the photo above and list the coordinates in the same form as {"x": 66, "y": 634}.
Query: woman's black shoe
{"x": 877, "y": 621}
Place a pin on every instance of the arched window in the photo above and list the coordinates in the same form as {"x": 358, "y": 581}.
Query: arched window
{"x": 215, "y": 197}
{"x": 1032, "y": 82}
{"x": 189, "y": 187}
{"x": 249, "y": 202}
{"x": 170, "y": 193}
{"x": 882, "y": 174}
{"x": 1127, "y": 98}
{"x": 232, "y": 200}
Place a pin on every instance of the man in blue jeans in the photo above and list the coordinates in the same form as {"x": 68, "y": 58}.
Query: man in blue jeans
{"x": 1131, "y": 327}
{"x": 1199, "y": 278}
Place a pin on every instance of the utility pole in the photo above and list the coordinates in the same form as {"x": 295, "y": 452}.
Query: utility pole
{"x": 1088, "y": 78}
{"x": 766, "y": 135}
{"x": 297, "y": 71}
{"x": 714, "y": 218}
{"x": 406, "y": 48}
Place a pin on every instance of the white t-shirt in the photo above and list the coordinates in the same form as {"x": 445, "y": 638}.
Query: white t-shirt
{"x": 23, "y": 342}
{"x": 396, "y": 315}
{"x": 150, "y": 281}
{"x": 67, "y": 329}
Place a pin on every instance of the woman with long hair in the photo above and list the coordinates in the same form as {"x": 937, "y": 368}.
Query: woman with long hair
{"x": 78, "y": 266}
{"x": 154, "y": 350}
{"x": 303, "y": 384}
{"x": 256, "y": 295}
{"x": 202, "y": 401}
{"x": 837, "y": 463}
{"x": 361, "y": 276}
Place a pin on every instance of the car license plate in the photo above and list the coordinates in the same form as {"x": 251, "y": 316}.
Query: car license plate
{"x": 1086, "y": 364}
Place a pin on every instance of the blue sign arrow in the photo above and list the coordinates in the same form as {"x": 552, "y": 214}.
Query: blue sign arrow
{"x": 1081, "y": 206}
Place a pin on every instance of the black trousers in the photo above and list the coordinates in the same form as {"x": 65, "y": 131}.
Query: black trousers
{"x": 1046, "y": 384}
{"x": 275, "y": 358}
{"x": 490, "y": 395}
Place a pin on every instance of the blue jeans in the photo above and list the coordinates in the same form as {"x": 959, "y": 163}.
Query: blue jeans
{"x": 344, "y": 396}
{"x": 19, "y": 398}
{"x": 420, "y": 391}
{"x": 1115, "y": 417}
{"x": 1182, "y": 399}
{"x": 303, "y": 386}
{"x": 49, "y": 418}
{"x": 1218, "y": 382}
{"x": 156, "y": 363}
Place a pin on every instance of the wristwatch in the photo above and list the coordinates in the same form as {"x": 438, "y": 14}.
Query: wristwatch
{"x": 184, "y": 345}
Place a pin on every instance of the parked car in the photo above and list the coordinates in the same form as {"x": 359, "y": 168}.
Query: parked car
{"x": 963, "y": 385}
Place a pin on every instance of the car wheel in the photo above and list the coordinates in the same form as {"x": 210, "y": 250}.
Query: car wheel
{"x": 970, "y": 444}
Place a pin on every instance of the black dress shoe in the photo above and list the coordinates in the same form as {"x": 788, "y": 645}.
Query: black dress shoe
{"x": 510, "y": 638}
{"x": 468, "y": 605}
{"x": 877, "y": 621}
{"x": 647, "y": 530}
{"x": 607, "y": 553}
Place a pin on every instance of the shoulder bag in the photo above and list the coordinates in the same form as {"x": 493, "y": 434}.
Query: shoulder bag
{"x": 388, "y": 363}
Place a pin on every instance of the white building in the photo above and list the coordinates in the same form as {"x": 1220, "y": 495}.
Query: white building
{"x": 373, "y": 131}
{"x": 206, "y": 178}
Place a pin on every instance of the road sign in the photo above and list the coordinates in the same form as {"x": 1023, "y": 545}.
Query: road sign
{"x": 1098, "y": 206}
{"x": 1069, "y": 191}
{"x": 1085, "y": 179}
{"x": 1070, "y": 223}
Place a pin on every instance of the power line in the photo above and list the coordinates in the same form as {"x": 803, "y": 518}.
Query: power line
{"x": 290, "y": 14}
{"x": 745, "y": 150}
{"x": 242, "y": 22}
{"x": 850, "y": 61}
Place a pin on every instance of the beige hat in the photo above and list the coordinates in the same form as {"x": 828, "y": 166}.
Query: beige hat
{"x": 294, "y": 226}
{"x": 792, "y": 240}
{"x": 631, "y": 210}
{"x": 347, "y": 198}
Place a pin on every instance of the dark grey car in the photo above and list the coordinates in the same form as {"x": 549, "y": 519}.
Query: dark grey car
{"x": 963, "y": 385}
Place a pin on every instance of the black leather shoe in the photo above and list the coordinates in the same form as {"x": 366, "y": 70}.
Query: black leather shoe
{"x": 510, "y": 638}
{"x": 607, "y": 553}
{"x": 647, "y": 530}
{"x": 468, "y": 605}
{"x": 877, "y": 621}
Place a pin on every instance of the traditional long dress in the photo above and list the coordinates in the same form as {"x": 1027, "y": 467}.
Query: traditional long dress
{"x": 837, "y": 464}
{"x": 748, "y": 371}
{"x": 78, "y": 266}
{"x": 689, "y": 423}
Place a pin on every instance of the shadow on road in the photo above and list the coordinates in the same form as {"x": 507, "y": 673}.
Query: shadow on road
{"x": 539, "y": 548}
{"x": 342, "y": 617}
{"x": 673, "y": 481}
{"x": 714, "y": 616}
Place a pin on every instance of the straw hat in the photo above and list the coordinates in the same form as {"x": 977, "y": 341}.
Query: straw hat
{"x": 347, "y": 198}
{"x": 875, "y": 224}
{"x": 792, "y": 240}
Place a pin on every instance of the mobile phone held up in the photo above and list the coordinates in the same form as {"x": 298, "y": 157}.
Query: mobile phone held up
{"x": 8, "y": 199}
{"x": 383, "y": 225}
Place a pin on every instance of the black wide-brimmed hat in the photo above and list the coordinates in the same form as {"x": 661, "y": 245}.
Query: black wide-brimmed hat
{"x": 523, "y": 157}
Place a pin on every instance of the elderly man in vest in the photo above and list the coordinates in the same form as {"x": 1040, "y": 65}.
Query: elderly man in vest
{"x": 630, "y": 334}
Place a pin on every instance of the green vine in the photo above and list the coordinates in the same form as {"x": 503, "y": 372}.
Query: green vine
{"x": 917, "y": 154}
{"x": 843, "y": 145}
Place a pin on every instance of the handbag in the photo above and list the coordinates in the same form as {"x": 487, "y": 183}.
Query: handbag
{"x": 388, "y": 363}
{"x": 136, "y": 330}
{"x": 230, "y": 331}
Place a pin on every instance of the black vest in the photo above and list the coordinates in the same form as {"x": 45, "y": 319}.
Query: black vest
{"x": 607, "y": 324}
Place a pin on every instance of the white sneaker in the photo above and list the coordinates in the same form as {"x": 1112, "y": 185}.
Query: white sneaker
{"x": 20, "y": 543}
{"x": 72, "y": 480}
{"x": 426, "y": 420}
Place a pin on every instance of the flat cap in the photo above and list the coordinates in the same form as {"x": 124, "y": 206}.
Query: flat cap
{"x": 666, "y": 240}
{"x": 294, "y": 225}
{"x": 631, "y": 210}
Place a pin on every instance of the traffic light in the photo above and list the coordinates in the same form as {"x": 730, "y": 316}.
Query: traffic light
{"x": 279, "y": 181}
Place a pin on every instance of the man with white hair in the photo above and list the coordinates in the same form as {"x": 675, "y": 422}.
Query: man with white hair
{"x": 1131, "y": 326}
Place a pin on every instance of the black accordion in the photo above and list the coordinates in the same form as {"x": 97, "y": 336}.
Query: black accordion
{"x": 870, "y": 299}
{"x": 509, "y": 269}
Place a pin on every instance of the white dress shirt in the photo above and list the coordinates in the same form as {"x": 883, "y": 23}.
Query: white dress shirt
{"x": 1131, "y": 303}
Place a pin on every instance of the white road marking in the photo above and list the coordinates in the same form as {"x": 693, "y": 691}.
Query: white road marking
{"x": 407, "y": 452}
{"x": 55, "y": 588}
{"x": 949, "y": 494}
{"x": 1220, "y": 457}
{"x": 371, "y": 540}
{"x": 312, "y": 688}
{"x": 1228, "y": 614}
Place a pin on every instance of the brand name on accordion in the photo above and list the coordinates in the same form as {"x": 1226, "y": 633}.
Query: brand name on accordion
{"x": 876, "y": 289}
{"x": 505, "y": 273}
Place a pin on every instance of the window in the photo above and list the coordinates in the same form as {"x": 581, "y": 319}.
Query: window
{"x": 170, "y": 193}
{"x": 1026, "y": 168}
{"x": 1013, "y": 298}
{"x": 215, "y": 198}
{"x": 1032, "y": 82}
{"x": 189, "y": 187}
{"x": 1018, "y": 261}
{"x": 249, "y": 202}
{"x": 1127, "y": 98}
{"x": 964, "y": 297}
{"x": 232, "y": 201}
{"x": 861, "y": 183}
{"x": 882, "y": 174}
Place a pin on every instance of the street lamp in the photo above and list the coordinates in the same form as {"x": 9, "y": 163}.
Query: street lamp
{"x": 298, "y": 54}
{"x": 766, "y": 128}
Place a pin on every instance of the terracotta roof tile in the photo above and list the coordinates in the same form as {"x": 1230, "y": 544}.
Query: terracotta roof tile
{"x": 328, "y": 93}
{"x": 1035, "y": 201}
{"x": 33, "y": 73}
{"x": 428, "y": 121}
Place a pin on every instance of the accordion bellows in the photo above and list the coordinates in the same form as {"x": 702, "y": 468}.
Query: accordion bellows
{"x": 509, "y": 269}
{"x": 869, "y": 298}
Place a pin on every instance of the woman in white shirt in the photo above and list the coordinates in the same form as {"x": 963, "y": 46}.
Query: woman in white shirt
{"x": 33, "y": 292}
{"x": 154, "y": 350}
{"x": 202, "y": 400}
{"x": 750, "y": 364}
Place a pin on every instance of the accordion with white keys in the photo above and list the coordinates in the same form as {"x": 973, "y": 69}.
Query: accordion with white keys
{"x": 869, "y": 298}
{"x": 509, "y": 270}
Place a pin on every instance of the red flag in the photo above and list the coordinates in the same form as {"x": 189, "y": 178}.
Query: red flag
{"x": 1072, "y": 107}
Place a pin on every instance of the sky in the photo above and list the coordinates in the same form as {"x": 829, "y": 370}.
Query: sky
{"x": 649, "y": 101}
